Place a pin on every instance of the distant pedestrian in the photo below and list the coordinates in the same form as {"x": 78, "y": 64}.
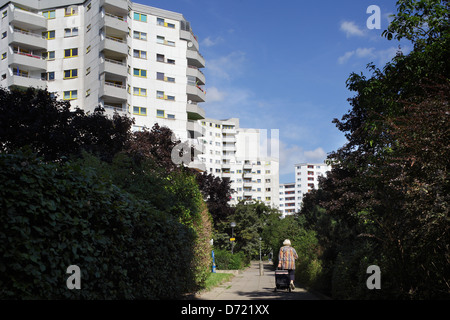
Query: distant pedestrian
{"x": 286, "y": 260}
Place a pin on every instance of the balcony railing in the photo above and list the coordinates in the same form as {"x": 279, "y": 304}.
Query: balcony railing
{"x": 29, "y": 33}
{"x": 112, "y": 84}
{"x": 27, "y": 54}
{"x": 115, "y": 62}
{"x": 115, "y": 17}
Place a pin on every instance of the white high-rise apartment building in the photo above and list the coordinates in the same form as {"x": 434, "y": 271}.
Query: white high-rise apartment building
{"x": 237, "y": 154}
{"x": 127, "y": 57}
{"x": 306, "y": 178}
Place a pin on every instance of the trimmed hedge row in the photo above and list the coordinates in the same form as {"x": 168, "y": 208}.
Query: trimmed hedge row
{"x": 56, "y": 215}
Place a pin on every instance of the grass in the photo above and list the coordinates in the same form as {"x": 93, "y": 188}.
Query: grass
{"x": 216, "y": 279}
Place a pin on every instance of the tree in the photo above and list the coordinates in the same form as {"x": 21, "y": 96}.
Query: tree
{"x": 51, "y": 129}
{"x": 389, "y": 183}
{"x": 217, "y": 193}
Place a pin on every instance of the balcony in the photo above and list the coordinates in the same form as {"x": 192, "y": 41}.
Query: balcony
{"x": 27, "y": 20}
{"x": 190, "y": 38}
{"x": 195, "y": 93}
{"x": 115, "y": 5}
{"x": 195, "y": 58}
{"x": 231, "y": 139}
{"x": 114, "y": 22}
{"x": 31, "y": 61}
{"x": 112, "y": 92}
{"x": 196, "y": 128}
{"x": 29, "y": 39}
{"x": 197, "y": 73}
{"x": 114, "y": 67}
{"x": 229, "y": 131}
{"x": 228, "y": 147}
{"x": 194, "y": 112}
{"x": 114, "y": 47}
{"x": 197, "y": 165}
{"x": 24, "y": 80}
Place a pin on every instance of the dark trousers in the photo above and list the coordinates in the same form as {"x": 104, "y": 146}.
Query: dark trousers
{"x": 291, "y": 275}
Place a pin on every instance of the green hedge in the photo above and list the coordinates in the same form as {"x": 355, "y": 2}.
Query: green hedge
{"x": 224, "y": 260}
{"x": 56, "y": 215}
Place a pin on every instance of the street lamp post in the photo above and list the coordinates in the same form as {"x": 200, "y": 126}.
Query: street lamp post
{"x": 232, "y": 224}
{"x": 261, "y": 269}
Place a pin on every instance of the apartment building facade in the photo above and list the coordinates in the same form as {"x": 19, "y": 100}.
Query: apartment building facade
{"x": 129, "y": 58}
{"x": 235, "y": 153}
{"x": 306, "y": 179}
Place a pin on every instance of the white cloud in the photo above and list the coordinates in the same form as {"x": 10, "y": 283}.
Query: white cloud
{"x": 291, "y": 155}
{"x": 351, "y": 29}
{"x": 215, "y": 95}
{"x": 226, "y": 66}
{"x": 343, "y": 59}
{"x": 209, "y": 42}
{"x": 379, "y": 56}
{"x": 316, "y": 156}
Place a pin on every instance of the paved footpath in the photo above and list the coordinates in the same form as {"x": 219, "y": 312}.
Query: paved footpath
{"x": 250, "y": 285}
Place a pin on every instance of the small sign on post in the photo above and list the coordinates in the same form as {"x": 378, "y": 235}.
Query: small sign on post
{"x": 232, "y": 239}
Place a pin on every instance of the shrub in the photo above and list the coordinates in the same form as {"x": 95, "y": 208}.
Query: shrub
{"x": 226, "y": 261}
{"x": 56, "y": 215}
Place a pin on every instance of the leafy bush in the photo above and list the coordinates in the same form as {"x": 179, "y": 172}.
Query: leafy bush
{"x": 56, "y": 215}
{"x": 226, "y": 261}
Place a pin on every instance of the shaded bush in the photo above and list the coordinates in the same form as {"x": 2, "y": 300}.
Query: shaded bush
{"x": 226, "y": 261}
{"x": 56, "y": 215}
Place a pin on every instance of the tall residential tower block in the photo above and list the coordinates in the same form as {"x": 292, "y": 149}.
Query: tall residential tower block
{"x": 127, "y": 57}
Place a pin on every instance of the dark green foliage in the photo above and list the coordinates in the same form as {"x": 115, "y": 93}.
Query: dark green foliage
{"x": 56, "y": 215}
{"x": 52, "y": 130}
{"x": 226, "y": 261}
{"x": 386, "y": 199}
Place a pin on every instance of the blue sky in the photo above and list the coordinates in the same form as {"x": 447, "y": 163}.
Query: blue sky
{"x": 284, "y": 64}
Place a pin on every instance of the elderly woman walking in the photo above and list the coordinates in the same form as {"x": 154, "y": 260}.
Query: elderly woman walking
{"x": 286, "y": 260}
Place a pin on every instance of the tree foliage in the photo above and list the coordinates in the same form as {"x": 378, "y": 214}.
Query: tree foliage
{"x": 386, "y": 199}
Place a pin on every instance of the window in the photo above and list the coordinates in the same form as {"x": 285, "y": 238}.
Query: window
{"x": 140, "y": 54}
{"x": 142, "y": 111}
{"x": 170, "y": 61}
{"x": 71, "y": 11}
{"x": 88, "y": 70}
{"x": 70, "y": 32}
{"x": 88, "y": 49}
{"x": 140, "y": 73}
{"x": 160, "y": 76}
{"x": 160, "y": 113}
{"x": 4, "y": 14}
{"x": 161, "y": 22}
{"x": 4, "y": 56}
{"x": 88, "y": 7}
{"x": 70, "y": 95}
{"x": 140, "y": 35}
{"x": 71, "y": 74}
{"x": 18, "y": 72}
{"x": 140, "y": 17}
{"x": 48, "y": 35}
{"x": 49, "y": 14}
{"x": 4, "y": 34}
{"x": 48, "y": 76}
{"x": 50, "y": 55}
{"x": 69, "y": 53}
{"x": 161, "y": 95}
{"x": 88, "y": 28}
{"x": 162, "y": 40}
{"x": 140, "y": 92}
{"x": 160, "y": 58}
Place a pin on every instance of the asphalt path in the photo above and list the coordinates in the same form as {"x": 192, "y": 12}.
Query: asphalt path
{"x": 250, "y": 284}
